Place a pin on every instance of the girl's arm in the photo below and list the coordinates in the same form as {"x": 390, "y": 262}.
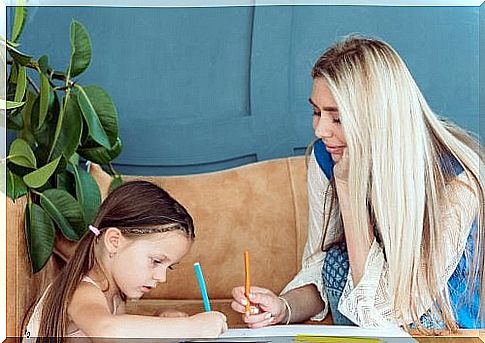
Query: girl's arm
{"x": 367, "y": 301}
{"x": 90, "y": 312}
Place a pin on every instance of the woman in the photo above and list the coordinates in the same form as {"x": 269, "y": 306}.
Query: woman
{"x": 396, "y": 205}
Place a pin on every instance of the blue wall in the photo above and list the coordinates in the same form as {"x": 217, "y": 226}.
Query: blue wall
{"x": 203, "y": 89}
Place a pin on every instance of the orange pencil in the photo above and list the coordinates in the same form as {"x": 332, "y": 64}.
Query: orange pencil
{"x": 247, "y": 281}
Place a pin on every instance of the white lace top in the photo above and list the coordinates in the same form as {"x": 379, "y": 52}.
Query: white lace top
{"x": 368, "y": 304}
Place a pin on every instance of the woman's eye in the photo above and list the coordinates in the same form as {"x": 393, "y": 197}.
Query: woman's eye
{"x": 171, "y": 267}
{"x": 315, "y": 113}
{"x": 336, "y": 120}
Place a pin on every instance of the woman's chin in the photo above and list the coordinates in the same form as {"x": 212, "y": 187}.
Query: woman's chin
{"x": 336, "y": 157}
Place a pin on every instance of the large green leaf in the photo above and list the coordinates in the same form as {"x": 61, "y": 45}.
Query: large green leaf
{"x": 40, "y": 234}
{"x": 18, "y": 56}
{"x": 44, "y": 136}
{"x": 66, "y": 181}
{"x": 15, "y": 122}
{"x": 8, "y": 105}
{"x": 96, "y": 130}
{"x": 115, "y": 183}
{"x": 65, "y": 211}
{"x": 45, "y": 94}
{"x": 101, "y": 155}
{"x": 21, "y": 154}
{"x": 44, "y": 64}
{"x": 70, "y": 133}
{"x": 34, "y": 114}
{"x": 39, "y": 177}
{"x": 15, "y": 186}
{"x": 87, "y": 193}
{"x": 105, "y": 109}
{"x": 80, "y": 49}
{"x": 21, "y": 84}
{"x": 18, "y": 22}
{"x": 26, "y": 111}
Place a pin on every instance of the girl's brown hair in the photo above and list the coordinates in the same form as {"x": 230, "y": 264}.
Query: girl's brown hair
{"x": 136, "y": 208}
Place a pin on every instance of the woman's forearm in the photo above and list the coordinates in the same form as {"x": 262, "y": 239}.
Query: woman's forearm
{"x": 358, "y": 247}
{"x": 305, "y": 302}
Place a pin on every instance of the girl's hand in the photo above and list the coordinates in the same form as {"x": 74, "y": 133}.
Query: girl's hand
{"x": 209, "y": 324}
{"x": 266, "y": 307}
{"x": 341, "y": 169}
{"x": 171, "y": 314}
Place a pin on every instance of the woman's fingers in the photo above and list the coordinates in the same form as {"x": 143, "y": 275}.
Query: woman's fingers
{"x": 258, "y": 320}
{"x": 266, "y": 322}
{"x": 255, "y": 289}
{"x": 238, "y": 307}
{"x": 268, "y": 302}
{"x": 264, "y": 306}
{"x": 238, "y": 295}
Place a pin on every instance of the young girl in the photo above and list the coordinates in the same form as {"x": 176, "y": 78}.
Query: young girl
{"x": 396, "y": 230}
{"x": 140, "y": 231}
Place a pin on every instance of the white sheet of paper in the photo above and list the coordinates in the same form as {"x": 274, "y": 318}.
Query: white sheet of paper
{"x": 322, "y": 330}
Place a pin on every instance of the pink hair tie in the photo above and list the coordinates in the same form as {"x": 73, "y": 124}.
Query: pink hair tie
{"x": 94, "y": 230}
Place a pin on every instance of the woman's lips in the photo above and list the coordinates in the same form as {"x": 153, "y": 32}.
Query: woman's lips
{"x": 338, "y": 150}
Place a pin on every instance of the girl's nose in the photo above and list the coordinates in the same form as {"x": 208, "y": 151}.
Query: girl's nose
{"x": 160, "y": 274}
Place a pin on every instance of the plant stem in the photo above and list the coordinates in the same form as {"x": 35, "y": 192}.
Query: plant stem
{"x": 51, "y": 73}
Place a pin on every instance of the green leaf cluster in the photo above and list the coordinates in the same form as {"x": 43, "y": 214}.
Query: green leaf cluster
{"x": 57, "y": 122}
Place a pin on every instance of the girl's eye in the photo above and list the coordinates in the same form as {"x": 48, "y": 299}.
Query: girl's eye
{"x": 156, "y": 261}
{"x": 336, "y": 120}
{"x": 315, "y": 113}
{"x": 171, "y": 267}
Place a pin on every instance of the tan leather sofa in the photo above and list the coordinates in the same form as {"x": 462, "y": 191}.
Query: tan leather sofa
{"x": 261, "y": 207}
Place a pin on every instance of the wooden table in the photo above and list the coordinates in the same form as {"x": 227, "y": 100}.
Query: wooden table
{"x": 462, "y": 336}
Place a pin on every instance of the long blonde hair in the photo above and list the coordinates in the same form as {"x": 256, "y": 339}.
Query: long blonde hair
{"x": 396, "y": 146}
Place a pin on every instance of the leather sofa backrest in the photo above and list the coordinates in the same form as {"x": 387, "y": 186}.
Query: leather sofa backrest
{"x": 261, "y": 207}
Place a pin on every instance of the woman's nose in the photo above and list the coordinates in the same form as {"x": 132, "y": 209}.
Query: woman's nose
{"x": 322, "y": 128}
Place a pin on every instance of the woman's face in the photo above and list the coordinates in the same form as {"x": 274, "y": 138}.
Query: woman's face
{"x": 326, "y": 119}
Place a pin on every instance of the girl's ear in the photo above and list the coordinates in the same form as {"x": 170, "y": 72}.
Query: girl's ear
{"x": 112, "y": 239}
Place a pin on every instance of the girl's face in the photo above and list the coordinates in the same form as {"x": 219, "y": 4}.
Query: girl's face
{"x": 141, "y": 264}
{"x": 326, "y": 119}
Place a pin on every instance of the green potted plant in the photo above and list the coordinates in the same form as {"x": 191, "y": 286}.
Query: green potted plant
{"x": 58, "y": 123}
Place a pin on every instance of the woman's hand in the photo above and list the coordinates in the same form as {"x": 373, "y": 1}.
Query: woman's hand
{"x": 171, "y": 314}
{"x": 266, "y": 307}
{"x": 341, "y": 168}
{"x": 209, "y": 324}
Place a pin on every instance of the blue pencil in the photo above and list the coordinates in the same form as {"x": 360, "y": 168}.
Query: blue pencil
{"x": 203, "y": 289}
